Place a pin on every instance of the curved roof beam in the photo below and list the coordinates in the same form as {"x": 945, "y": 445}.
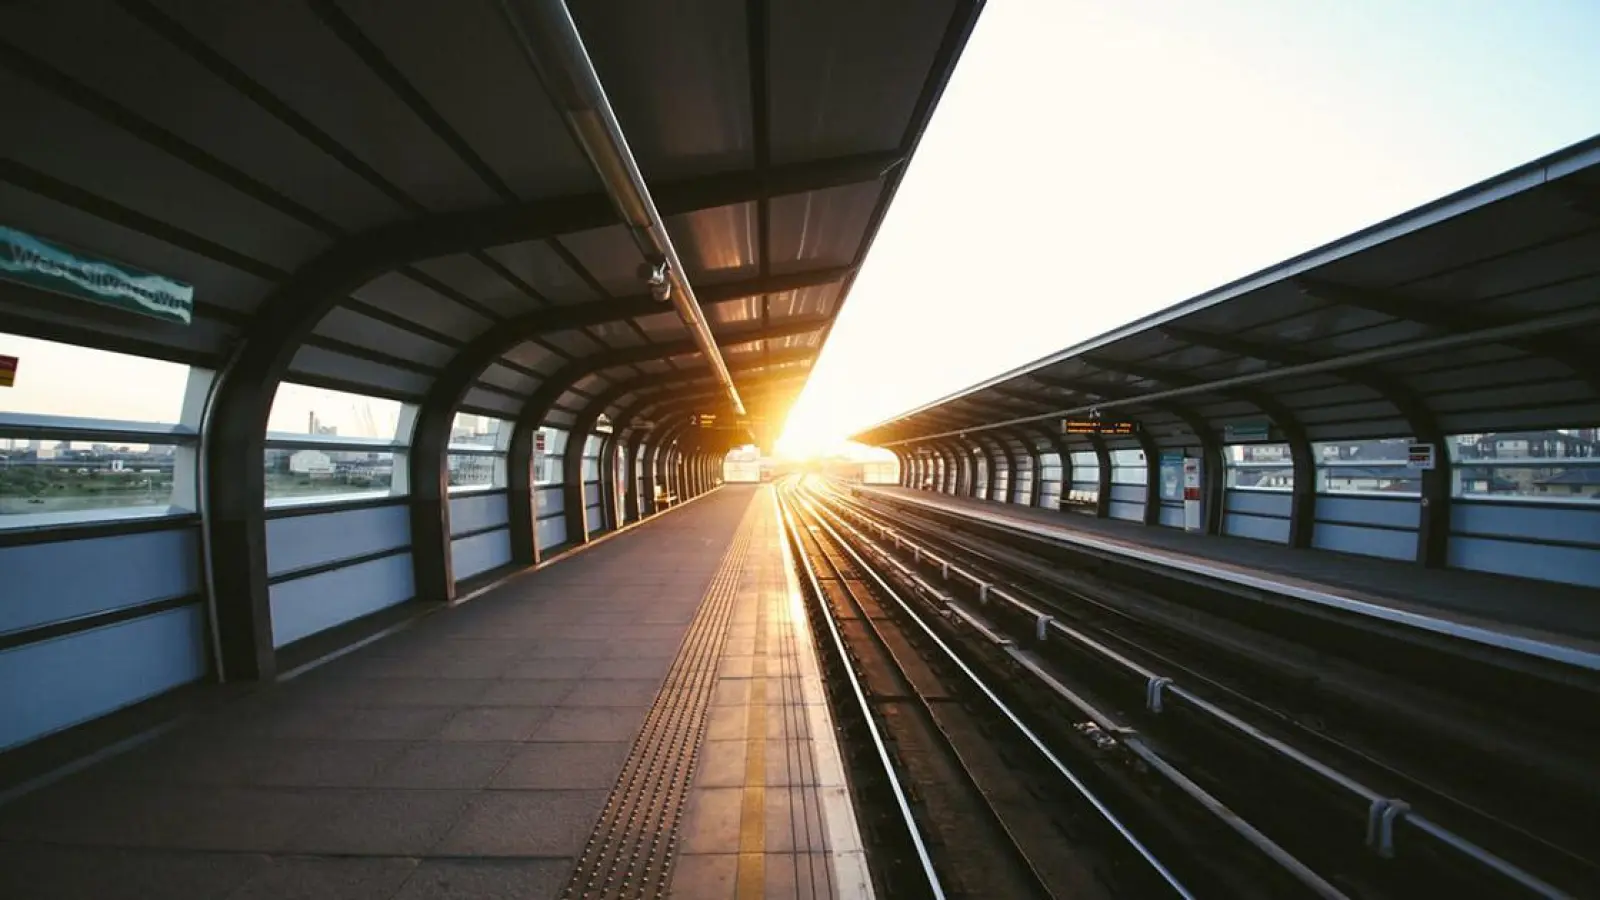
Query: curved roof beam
{"x": 539, "y": 402}
{"x": 663, "y": 401}
{"x": 607, "y": 398}
{"x": 1451, "y": 318}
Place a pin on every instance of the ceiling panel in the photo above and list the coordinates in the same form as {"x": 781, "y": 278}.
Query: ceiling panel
{"x": 573, "y": 343}
{"x": 819, "y": 300}
{"x": 533, "y": 356}
{"x": 617, "y": 334}
{"x": 815, "y": 72}
{"x": 316, "y": 361}
{"x": 542, "y": 269}
{"x": 344, "y": 324}
{"x": 448, "y": 53}
{"x": 610, "y": 257}
{"x": 743, "y": 310}
{"x": 698, "y": 120}
{"x": 65, "y": 142}
{"x": 821, "y": 228}
{"x": 717, "y": 245}
{"x": 472, "y": 278}
{"x": 363, "y": 114}
{"x": 175, "y": 93}
{"x": 395, "y": 293}
{"x": 511, "y": 379}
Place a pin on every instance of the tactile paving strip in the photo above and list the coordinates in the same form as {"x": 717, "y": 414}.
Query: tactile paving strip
{"x": 630, "y": 851}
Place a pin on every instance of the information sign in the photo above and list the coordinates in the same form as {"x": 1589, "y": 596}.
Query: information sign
{"x": 1245, "y": 432}
{"x": 1172, "y": 476}
{"x": 8, "y": 371}
{"x": 1105, "y": 427}
{"x": 49, "y": 266}
{"x": 1193, "y": 520}
{"x": 538, "y": 455}
{"x": 1419, "y": 456}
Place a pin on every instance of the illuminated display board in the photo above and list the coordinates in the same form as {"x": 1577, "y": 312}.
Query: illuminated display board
{"x": 1103, "y": 427}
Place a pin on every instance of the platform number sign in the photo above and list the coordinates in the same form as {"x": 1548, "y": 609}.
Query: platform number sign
{"x": 8, "y": 371}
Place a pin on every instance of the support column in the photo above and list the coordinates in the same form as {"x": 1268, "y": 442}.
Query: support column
{"x": 1102, "y": 500}
{"x": 630, "y": 493}
{"x": 952, "y": 470}
{"x": 574, "y": 509}
{"x": 521, "y": 504}
{"x": 647, "y": 493}
{"x": 1152, "y": 476}
{"x": 608, "y": 481}
{"x": 1303, "y": 501}
{"x": 1036, "y": 484}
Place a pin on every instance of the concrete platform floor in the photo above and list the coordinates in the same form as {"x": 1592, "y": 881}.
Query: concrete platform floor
{"x": 469, "y": 755}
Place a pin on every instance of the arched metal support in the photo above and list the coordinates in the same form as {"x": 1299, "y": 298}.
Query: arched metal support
{"x": 950, "y": 483}
{"x": 1014, "y": 464}
{"x": 1433, "y": 529}
{"x": 990, "y": 453}
{"x": 538, "y": 405}
{"x": 1102, "y": 500}
{"x": 1152, "y": 475}
{"x": 1058, "y": 442}
{"x": 1030, "y": 446}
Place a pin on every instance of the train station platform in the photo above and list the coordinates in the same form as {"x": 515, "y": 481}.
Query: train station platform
{"x": 1544, "y": 619}
{"x": 646, "y": 714}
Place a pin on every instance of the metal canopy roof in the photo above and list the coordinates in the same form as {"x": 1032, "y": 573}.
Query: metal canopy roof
{"x": 1478, "y": 312}
{"x": 384, "y": 190}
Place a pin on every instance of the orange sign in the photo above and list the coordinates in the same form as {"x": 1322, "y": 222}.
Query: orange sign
{"x": 8, "y": 371}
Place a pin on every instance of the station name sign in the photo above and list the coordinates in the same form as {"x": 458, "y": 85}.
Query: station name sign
{"x": 49, "y": 266}
{"x": 1103, "y": 427}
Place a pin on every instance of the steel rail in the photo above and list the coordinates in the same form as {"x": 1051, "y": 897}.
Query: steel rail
{"x": 901, "y": 797}
{"x": 1028, "y": 733}
{"x": 1162, "y": 685}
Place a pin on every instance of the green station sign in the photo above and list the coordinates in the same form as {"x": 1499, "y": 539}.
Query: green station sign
{"x": 49, "y": 266}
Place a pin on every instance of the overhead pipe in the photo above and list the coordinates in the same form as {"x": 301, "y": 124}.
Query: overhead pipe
{"x": 550, "y": 40}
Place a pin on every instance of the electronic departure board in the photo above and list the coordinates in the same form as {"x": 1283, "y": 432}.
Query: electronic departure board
{"x": 1104, "y": 427}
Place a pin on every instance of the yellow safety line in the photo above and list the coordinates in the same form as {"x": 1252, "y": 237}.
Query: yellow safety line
{"x": 751, "y": 879}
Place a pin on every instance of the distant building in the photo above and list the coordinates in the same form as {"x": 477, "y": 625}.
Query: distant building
{"x": 311, "y": 462}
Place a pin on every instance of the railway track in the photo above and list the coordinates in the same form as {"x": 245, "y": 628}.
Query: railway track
{"x": 972, "y": 800}
{"x": 1192, "y": 748}
{"x": 1429, "y": 737}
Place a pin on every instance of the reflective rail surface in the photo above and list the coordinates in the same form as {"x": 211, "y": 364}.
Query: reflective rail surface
{"x": 1391, "y": 825}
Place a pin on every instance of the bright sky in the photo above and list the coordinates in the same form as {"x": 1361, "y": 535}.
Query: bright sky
{"x": 1094, "y": 161}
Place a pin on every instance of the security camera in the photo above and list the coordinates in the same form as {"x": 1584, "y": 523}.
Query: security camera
{"x": 654, "y": 274}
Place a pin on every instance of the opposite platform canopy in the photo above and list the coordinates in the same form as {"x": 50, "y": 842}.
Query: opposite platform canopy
{"x": 386, "y": 188}
{"x": 1478, "y": 312}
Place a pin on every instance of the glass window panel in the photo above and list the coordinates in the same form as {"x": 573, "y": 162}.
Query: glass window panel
{"x": 301, "y": 409}
{"x": 1128, "y": 467}
{"x": 475, "y": 470}
{"x": 38, "y": 477}
{"x": 1366, "y": 467}
{"x": 327, "y": 474}
{"x": 54, "y": 379}
{"x": 1261, "y": 467}
{"x": 469, "y": 430}
{"x": 1558, "y": 464}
